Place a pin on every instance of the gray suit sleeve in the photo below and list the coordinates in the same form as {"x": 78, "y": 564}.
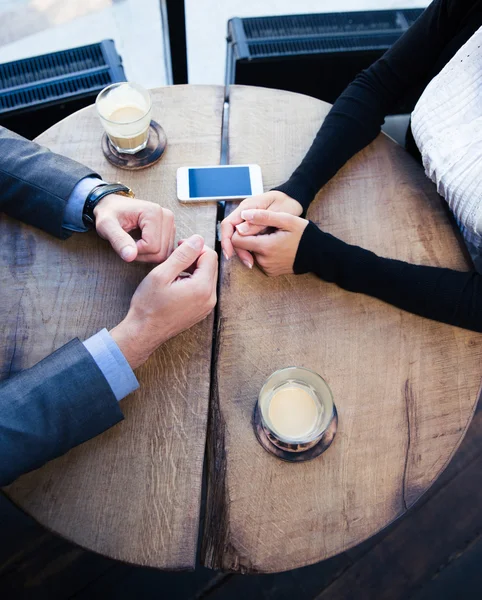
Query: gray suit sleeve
{"x": 36, "y": 183}
{"x": 57, "y": 404}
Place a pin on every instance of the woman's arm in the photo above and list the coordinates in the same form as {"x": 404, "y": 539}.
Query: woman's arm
{"x": 453, "y": 297}
{"x": 296, "y": 245}
{"x": 358, "y": 114}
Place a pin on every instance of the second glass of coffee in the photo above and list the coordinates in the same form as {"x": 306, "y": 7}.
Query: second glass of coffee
{"x": 125, "y": 112}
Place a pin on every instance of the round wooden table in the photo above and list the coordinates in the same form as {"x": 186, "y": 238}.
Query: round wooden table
{"x": 405, "y": 387}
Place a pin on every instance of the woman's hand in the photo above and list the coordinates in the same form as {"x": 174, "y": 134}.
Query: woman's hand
{"x": 116, "y": 216}
{"x": 273, "y": 201}
{"x": 274, "y": 252}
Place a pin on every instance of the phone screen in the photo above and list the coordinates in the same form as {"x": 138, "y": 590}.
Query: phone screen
{"x": 222, "y": 183}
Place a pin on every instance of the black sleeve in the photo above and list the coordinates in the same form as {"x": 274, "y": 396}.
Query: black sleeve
{"x": 358, "y": 114}
{"x": 35, "y": 183}
{"x": 445, "y": 295}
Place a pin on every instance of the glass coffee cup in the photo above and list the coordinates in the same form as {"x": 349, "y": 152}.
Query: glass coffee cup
{"x": 295, "y": 414}
{"x": 125, "y": 113}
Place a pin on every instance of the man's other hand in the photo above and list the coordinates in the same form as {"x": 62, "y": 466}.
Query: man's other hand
{"x": 169, "y": 300}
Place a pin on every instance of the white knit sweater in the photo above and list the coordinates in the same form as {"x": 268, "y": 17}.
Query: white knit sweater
{"x": 447, "y": 128}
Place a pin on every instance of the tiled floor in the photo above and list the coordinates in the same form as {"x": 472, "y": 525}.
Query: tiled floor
{"x": 31, "y": 27}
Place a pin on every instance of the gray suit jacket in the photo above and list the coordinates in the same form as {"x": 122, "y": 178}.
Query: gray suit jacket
{"x": 64, "y": 400}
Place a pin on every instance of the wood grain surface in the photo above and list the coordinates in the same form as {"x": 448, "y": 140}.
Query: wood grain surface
{"x": 134, "y": 492}
{"x": 405, "y": 387}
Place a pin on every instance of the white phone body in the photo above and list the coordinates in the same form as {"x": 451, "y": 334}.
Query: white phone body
{"x": 218, "y": 183}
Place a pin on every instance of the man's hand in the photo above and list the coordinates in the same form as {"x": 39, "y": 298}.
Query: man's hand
{"x": 273, "y": 201}
{"x": 116, "y": 215}
{"x": 275, "y": 252}
{"x": 165, "y": 304}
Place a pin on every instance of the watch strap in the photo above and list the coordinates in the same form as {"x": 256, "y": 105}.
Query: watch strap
{"x": 96, "y": 195}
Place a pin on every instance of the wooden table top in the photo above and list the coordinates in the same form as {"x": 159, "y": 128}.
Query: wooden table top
{"x": 134, "y": 492}
{"x": 405, "y": 387}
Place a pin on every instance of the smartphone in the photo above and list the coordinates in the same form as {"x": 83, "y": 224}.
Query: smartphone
{"x": 222, "y": 182}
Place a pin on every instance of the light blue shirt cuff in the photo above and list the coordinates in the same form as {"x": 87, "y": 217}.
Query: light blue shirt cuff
{"x": 75, "y": 204}
{"x": 112, "y": 363}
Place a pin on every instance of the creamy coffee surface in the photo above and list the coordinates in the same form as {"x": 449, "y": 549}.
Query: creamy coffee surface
{"x": 125, "y": 138}
{"x": 127, "y": 114}
{"x": 293, "y": 412}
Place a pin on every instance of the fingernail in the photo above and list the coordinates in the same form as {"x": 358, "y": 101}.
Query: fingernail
{"x": 225, "y": 255}
{"x": 248, "y": 264}
{"x": 196, "y": 242}
{"x": 247, "y": 215}
{"x": 242, "y": 227}
{"x": 127, "y": 253}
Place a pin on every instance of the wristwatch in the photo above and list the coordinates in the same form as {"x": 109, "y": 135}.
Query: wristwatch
{"x": 96, "y": 196}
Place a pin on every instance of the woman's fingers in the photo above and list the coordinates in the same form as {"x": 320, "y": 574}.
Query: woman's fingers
{"x": 268, "y": 218}
{"x": 246, "y": 228}
{"x": 245, "y": 257}
{"x": 257, "y": 244}
{"x": 227, "y": 231}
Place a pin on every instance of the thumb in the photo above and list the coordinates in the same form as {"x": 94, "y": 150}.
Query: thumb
{"x": 246, "y": 228}
{"x": 269, "y": 218}
{"x": 183, "y": 257}
{"x": 120, "y": 240}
